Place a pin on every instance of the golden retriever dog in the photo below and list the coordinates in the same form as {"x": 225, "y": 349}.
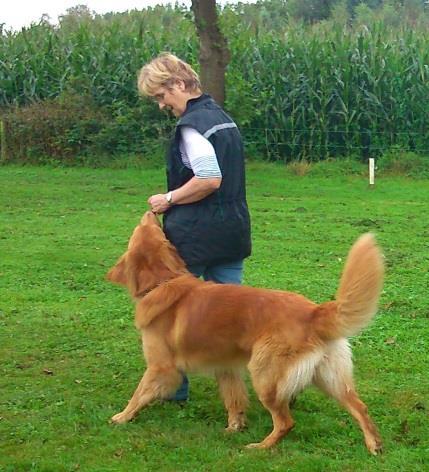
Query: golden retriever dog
{"x": 286, "y": 341}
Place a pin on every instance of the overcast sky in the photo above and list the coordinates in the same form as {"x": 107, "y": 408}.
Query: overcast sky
{"x": 18, "y": 13}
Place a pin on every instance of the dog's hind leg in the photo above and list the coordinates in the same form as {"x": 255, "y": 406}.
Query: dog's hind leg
{"x": 334, "y": 376}
{"x": 234, "y": 394}
{"x": 157, "y": 382}
{"x": 277, "y": 379}
{"x": 279, "y": 409}
{"x": 266, "y": 381}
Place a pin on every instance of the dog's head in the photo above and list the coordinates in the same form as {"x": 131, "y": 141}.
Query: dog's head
{"x": 149, "y": 260}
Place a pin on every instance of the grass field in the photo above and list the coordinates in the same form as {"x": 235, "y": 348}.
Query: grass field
{"x": 70, "y": 356}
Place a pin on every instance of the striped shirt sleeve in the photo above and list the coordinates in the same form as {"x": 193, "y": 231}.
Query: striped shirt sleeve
{"x": 199, "y": 154}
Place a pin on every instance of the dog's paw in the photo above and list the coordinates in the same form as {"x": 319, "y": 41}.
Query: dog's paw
{"x": 260, "y": 445}
{"x": 237, "y": 425}
{"x": 375, "y": 447}
{"x": 120, "y": 418}
{"x": 234, "y": 428}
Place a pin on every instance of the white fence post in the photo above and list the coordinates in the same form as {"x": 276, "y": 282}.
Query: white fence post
{"x": 371, "y": 171}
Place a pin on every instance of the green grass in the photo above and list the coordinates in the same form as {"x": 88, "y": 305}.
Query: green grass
{"x": 71, "y": 358}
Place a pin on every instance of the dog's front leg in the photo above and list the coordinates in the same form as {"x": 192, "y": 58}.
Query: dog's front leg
{"x": 234, "y": 393}
{"x": 157, "y": 382}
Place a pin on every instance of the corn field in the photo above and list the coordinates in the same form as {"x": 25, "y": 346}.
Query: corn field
{"x": 297, "y": 92}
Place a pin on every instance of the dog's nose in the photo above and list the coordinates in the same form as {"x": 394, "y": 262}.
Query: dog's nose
{"x": 148, "y": 216}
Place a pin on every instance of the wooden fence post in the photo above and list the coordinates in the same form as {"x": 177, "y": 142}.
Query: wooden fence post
{"x": 3, "y": 142}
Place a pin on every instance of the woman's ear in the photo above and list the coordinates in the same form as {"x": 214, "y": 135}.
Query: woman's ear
{"x": 180, "y": 85}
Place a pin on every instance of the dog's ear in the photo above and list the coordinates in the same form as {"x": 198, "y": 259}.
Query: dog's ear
{"x": 117, "y": 274}
{"x": 132, "y": 273}
{"x": 144, "y": 273}
{"x": 138, "y": 280}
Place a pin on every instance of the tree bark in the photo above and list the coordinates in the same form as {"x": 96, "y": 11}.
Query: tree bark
{"x": 214, "y": 53}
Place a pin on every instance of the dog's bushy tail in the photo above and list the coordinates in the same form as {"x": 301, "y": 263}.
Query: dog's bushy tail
{"x": 357, "y": 296}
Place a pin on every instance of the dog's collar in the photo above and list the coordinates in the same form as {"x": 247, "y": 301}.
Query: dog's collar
{"x": 143, "y": 294}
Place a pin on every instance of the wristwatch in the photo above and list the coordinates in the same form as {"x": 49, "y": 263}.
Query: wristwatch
{"x": 169, "y": 197}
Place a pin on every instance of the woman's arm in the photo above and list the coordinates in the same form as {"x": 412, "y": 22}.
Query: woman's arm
{"x": 200, "y": 156}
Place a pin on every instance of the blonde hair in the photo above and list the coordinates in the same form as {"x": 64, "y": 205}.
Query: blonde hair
{"x": 163, "y": 71}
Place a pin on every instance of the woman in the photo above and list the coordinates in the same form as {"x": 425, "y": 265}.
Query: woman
{"x": 204, "y": 209}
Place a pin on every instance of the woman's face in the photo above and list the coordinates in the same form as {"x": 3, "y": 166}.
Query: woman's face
{"x": 173, "y": 99}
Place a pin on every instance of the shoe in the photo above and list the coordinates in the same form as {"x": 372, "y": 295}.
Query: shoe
{"x": 182, "y": 393}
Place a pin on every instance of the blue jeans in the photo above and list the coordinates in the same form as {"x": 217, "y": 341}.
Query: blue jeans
{"x": 228, "y": 273}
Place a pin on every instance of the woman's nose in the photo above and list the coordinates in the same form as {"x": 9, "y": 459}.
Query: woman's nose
{"x": 161, "y": 105}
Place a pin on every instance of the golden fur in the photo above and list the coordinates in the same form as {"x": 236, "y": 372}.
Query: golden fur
{"x": 286, "y": 341}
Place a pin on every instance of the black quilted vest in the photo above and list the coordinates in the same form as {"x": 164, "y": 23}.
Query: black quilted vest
{"x": 215, "y": 229}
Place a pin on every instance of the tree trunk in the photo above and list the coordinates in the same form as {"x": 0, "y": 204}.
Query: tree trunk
{"x": 214, "y": 52}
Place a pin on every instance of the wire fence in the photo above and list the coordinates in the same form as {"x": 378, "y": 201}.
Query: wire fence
{"x": 313, "y": 143}
{"x": 275, "y": 144}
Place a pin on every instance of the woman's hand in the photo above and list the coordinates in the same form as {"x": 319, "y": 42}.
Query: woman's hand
{"x": 194, "y": 190}
{"x": 158, "y": 203}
